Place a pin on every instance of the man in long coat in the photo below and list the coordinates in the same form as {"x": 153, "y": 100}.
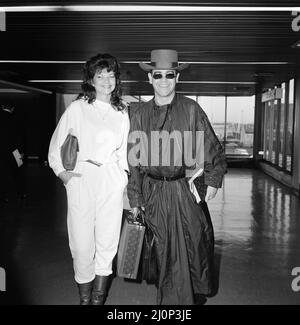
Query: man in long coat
{"x": 161, "y": 181}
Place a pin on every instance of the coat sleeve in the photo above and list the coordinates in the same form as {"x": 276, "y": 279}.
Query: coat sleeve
{"x": 214, "y": 156}
{"x": 134, "y": 187}
{"x": 65, "y": 123}
{"x": 122, "y": 151}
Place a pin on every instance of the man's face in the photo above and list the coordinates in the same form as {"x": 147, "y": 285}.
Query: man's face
{"x": 163, "y": 82}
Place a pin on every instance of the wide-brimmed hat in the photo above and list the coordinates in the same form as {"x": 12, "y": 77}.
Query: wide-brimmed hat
{"x": 163, "y": 60}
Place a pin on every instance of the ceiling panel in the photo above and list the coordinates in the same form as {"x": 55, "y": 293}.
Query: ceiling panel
{"x": 227, "y": 49}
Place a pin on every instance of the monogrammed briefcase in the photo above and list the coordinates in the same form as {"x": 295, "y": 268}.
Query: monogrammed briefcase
{"x": 130, "y": 247}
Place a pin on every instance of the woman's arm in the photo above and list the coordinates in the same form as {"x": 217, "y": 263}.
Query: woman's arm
{"x": 63, "y": 128}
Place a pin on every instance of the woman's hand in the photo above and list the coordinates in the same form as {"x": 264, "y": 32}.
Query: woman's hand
{"x": 65, "y": 176}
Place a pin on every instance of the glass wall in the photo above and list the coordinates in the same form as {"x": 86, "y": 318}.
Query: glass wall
{"x": 214, "y": 107}
{"x": 290, "y": 122}
{"x": 267, "y": 129}
{"x": 237, "y": 115}
{"x": 240, "y": 126}
{"x": 282, "y": 128}
{"x": 275, "y": 127}
{"x": 232, "y": 119}
{"x": 278, "y": 127}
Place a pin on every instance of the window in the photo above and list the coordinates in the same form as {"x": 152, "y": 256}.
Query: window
{"x": 214, "y": 107}
{"x": 281, "y": 131}
{"x": 240, "y": 126}
{"x": 267, "y": 129}
{"x": 232, "y": 119}
{"x": 290, "y": 123}
{"x": 274, "y": 132}
{"x": 278, "y": 123}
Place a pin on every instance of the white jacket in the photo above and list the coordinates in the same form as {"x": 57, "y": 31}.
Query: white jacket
{"x": 102, "y": 134}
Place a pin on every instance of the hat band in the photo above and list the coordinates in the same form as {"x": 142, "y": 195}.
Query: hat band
{"x": 170, "y": 65}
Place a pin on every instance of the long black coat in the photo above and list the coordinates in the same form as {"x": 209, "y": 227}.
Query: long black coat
{"x": 184, "y": 235}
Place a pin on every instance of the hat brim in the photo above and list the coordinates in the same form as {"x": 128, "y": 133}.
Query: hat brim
{"x": 149, "y": 67}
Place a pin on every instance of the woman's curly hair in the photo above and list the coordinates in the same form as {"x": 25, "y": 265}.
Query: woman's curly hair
{"x": 91, "y": 67}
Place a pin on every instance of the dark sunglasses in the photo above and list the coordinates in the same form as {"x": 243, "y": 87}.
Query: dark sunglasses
{"x": 169, "y": 75}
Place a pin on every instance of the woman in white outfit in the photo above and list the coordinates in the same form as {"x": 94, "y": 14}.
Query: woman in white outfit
{"x": 99, "y": 119}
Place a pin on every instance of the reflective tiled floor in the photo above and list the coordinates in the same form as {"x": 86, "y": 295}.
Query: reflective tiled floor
{"x": 257, "y": 230}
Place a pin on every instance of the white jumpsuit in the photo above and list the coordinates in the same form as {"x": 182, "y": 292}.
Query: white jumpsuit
{"x": 95, "y": 200}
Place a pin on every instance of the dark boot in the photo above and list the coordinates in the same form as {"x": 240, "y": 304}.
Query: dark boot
{"x": 199, "y": 299}
{"x": 85, "y": 292}
{"x": 100, "y": 290}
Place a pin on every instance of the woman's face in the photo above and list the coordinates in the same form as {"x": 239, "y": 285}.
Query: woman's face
{"x": 104, "y": 82}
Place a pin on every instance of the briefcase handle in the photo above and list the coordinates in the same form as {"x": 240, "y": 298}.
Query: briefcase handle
{"x": 139, "y": 219}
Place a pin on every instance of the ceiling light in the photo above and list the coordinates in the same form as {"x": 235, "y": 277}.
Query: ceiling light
{"x": 24, "y": 87}
{"x": 140, "y": 8}
{"x": 137, "y": 81}
{"x": 263, "y": 74}
{"x": 42, "y": 61}
{"x": 54, "y": 81}
{"x": 219, "y": 82}
{"x": 73, "y": 81}
{"x": 136, "y": 62}
{"x": 224, "y": 62}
